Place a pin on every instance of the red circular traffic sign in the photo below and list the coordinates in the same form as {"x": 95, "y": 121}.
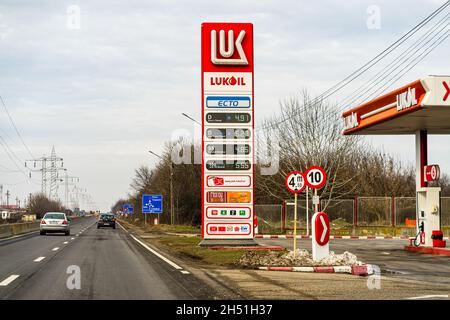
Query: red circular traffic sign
{"x": 295, "y": 182}
{"x": 322, "y": 228}
{"x": 315, "y": 177}
{"x": 432, "y": 172}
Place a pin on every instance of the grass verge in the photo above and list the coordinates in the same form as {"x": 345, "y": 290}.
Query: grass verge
{"x": 188, "y": 247}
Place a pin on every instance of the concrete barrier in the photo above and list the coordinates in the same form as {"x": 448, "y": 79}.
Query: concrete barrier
{"x": 12, "y": 229}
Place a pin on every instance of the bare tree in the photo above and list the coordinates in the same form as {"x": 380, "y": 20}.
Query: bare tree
{"x": 39, "y": 204}
{"x": 308, "y": 132}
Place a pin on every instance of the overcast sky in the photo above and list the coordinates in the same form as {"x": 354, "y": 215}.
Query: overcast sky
{"x": 108, "y": 92}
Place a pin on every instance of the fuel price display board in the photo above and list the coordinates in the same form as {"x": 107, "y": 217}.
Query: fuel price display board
{"x": 227, "y": 131}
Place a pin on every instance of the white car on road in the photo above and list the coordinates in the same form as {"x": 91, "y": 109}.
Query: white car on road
{"x": 55, "y": 222}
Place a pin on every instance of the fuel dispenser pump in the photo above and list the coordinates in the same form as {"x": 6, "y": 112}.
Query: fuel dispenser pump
{"x": 428, "y": 215}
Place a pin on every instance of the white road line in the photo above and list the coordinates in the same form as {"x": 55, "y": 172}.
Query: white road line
{"x": 72, "y": 238}
{"x": 65, "y": 242}
{"x": 173, "y": 264}
{"x": 39, "y": 259}
{"x": 121, "y": 226}
{"x": 184, "y": 272}
{"x": 429, "y": 296}
{"x": 8, "y": 280}
{"x": 55, "y": 249}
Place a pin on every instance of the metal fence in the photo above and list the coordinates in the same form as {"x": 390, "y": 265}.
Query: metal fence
{"x": 269, "y": 218}
{"x": 359, "y": 211}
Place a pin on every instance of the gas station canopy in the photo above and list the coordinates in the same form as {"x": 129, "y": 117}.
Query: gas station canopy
{"x": 421, "y": 105}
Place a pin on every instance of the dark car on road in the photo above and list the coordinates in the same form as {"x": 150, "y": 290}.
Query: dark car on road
{"x": 106, "y": 220}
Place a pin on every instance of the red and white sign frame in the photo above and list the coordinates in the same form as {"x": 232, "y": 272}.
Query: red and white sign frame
{"x": 229, "y": 74}
{"x": 432, "y": 172}
{"x": 312, "y": 185}
{"x": 289, "y": 175}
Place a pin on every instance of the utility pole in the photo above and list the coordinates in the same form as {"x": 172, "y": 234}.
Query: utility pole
{"x": 49, "y": 166}
{"x": 7, "y": 198}
{"x": 68, "y": 181}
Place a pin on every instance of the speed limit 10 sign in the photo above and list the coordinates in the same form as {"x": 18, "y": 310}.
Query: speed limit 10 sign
{"x": 315, "y": 177}
{"x": 295, "y": 182}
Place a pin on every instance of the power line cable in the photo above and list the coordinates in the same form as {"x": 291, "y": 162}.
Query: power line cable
{"x": 397, "y": 62}
{"x": 15, "y": 127}
{"x": 357, "y": 73}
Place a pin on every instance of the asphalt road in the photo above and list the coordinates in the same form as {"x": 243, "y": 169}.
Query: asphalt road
{"x": 111, "y": 264}
{"x": 389, "y": 255}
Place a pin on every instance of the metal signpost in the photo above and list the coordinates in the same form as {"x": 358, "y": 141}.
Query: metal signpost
{"x": 227, "y": 139}
{"x": 316, "y": 178}
{"x": 295, "y": 183}
{"x": 152, "y": 203}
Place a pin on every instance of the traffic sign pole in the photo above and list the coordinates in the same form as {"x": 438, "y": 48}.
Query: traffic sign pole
{"x": 307, "y": 211}
{"x": 295, "y": 224}
{"x": 295, "y": 183}
{"x": 316, "y": 206}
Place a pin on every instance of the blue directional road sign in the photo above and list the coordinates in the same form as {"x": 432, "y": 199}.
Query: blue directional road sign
{"x": 128, "y": 208}
{"x": 152, "y": 203}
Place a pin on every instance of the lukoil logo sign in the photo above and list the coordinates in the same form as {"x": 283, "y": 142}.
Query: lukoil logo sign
{"x": 227, "y": 81}
{"x": 406, "y": 99}
{"x": 238, "y": 82}
{"x": 227, "y": 53}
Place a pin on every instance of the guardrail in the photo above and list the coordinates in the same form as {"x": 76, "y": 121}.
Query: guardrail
{"x": 12, "y": 229}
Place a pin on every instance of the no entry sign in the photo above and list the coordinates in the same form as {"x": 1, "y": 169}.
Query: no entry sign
{"x": 227, "y": 126}
{"x": 432, "y": 172}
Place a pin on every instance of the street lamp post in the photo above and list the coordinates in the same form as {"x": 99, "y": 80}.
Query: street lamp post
{"x": 171, "y": 187}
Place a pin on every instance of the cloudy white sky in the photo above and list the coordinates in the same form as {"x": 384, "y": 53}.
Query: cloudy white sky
{"x": 106, "y": 93}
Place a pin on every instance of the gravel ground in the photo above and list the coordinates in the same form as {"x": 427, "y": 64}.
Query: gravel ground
{"x": 302, "y": 259}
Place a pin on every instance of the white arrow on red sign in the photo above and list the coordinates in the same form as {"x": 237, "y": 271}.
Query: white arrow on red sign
{"x": 432, "y": 172}
{"x": 322, "y": 225}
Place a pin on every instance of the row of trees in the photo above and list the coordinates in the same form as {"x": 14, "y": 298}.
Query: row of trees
{"x": 304, "y": 132}
{"x": 39, "y": 204}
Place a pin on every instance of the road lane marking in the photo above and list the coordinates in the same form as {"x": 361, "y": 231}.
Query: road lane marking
{"x": 429, "y": 296}
{"x": 39, "y": 259}
{"x": 65, "y": 242}
{"x": 185, "y": 272}
{"x": 173, "y": 264}
{"x": 8, "y": 280}
{"x": 55, "y": 249}
{"x": 72, "y": 238}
